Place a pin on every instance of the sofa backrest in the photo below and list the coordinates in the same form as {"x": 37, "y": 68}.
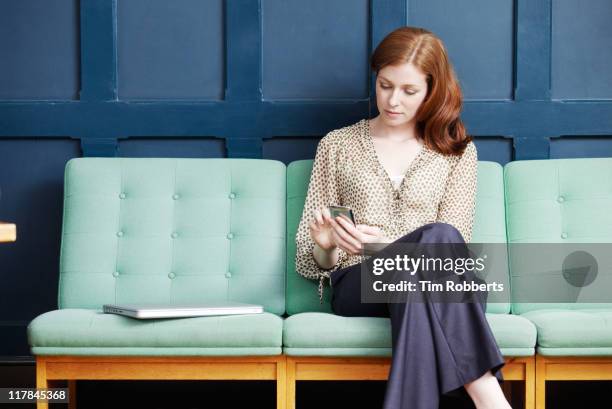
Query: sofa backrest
{"x": 557, "y": 201}
{"x": 173, "y": 231}
{"x": 301, "y": 292}
{"x": 489, "y": 227}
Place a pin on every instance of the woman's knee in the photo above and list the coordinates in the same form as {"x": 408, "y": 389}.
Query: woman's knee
{"x": 437, "y": 232}
{"x": 441, "y": 233}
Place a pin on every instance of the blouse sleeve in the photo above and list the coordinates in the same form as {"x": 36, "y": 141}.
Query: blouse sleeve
{"x": 322, "y": 191}
{"x": 458, "y": 202}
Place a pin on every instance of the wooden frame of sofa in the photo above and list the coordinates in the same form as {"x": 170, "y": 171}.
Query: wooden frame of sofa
{"x": 302, "y": 368}
{"x": 285, "y": 370}
{"x": 569, "y": 368}
{"x": 50, "y": 369}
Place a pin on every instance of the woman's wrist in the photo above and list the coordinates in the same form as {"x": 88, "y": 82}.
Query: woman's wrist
{"x": 326, "y": 259}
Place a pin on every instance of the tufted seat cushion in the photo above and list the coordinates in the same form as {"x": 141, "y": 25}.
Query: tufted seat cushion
{"x": 573, "y": 332}
{"x": 91, "y": 332}
{"x": 323, "y": 334}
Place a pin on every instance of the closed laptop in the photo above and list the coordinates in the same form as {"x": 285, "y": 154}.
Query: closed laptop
{"x": 148, "y": 311}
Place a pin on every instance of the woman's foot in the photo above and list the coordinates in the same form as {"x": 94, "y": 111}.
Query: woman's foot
{"x": 486, "y": 393}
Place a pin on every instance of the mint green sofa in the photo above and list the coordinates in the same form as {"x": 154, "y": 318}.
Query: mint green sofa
{"x": 167, "y": 231}
{"x": 320, "y": 345}
{"x": 312, "y": 329}
{"x": 189, "y": 230}
{"x": 562, "y": 201}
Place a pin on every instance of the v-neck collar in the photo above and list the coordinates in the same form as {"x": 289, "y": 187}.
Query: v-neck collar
{"x": 379, "y": 168}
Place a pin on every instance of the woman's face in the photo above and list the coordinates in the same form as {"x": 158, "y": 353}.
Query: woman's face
{"x": 400, "y": 90}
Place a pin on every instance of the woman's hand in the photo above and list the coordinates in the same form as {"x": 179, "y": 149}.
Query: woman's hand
{"x": 321, "y": 229}
{"x": 351, "y": 238}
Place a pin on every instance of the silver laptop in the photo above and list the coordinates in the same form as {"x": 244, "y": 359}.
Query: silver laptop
{"x": 147, "y": 311}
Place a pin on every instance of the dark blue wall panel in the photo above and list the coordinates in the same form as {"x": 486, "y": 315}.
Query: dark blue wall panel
{"x": 479, "y": 37}
{"x": 581, "y": 49}
{"x": 581, "y": 147}
{"x": 32, "y": 183}
{"x": 494, "y": 149}
{"x": 39, "y": 49}
{"x": 171, "y": 148}
{"x": 315, "y": 49}
{"x": 170, "y": 49}
{"x": 288, "y": 150}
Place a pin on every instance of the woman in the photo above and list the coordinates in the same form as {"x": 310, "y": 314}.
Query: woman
{"x": 409, "y": 175}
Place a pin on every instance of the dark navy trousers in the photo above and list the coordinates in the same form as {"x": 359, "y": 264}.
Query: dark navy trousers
{"x": 437, "y": 346}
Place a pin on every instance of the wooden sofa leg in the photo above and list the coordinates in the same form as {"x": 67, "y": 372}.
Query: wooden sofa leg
{"x": 72, "y": 392}
{"x": 291, "y": 386}
{"x": 281, "y": 383}
{"x": 540, "y": 377}
{"x": 41, "y": 380}
{"x": 530, "y": 383}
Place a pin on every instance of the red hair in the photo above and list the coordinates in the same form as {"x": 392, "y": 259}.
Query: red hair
{"x": 437, "y": 119}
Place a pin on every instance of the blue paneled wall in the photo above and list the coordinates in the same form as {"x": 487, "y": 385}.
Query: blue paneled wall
{"x": 170, "y": 50}
{"x": 262, "y": 79}
{"x": 298, "y": 65}
{"x": 581, "y": 54}
{"x": 481, "y": 48}
{"x": 39, "y": 50}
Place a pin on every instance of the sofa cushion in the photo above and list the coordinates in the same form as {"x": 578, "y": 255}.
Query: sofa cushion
{"x": 573, "y": 332}
{"x": 173, "y": 231}
{"x": 515, "y": 335}
{"x": 322, "y": 334}
{"x": 489, "y": 227}
{"x": 557, "y": 201}
{"x": 317, "y": 333}
{"x": 91, "y": 332}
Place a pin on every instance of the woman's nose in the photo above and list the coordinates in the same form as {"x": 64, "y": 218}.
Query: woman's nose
{"x": 394, "y": 98}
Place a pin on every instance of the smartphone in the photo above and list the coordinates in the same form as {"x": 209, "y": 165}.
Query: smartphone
{"x": 338, "y": 210}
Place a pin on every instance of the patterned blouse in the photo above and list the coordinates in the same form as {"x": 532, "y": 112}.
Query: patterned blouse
{"x": 347, "y": 172}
